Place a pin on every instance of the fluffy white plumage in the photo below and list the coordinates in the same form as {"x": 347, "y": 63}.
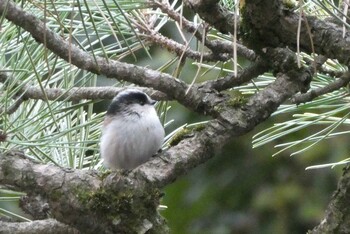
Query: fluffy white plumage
{"x": 131, "y": 132}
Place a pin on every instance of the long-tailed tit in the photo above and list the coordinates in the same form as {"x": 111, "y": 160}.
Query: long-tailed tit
{"x": 131, "y": 132}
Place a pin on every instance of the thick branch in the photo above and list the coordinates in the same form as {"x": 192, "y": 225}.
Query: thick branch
{"x": 337, "y": 214}
{"x": 213, "y": 13}
{"x": 83, "y": 199}
{"x": 270, "y": 24}
{"x": 36, "y": 227}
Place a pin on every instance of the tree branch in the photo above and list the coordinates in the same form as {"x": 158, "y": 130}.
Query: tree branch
{"x": 36, "y": 227}
{"x": 247, "y": 74}
{"x": 179, "y": 49}
{"x": 270, "y": 23}
{"x": 337, "y": 213}
{"x": 75, "y": 94}
{"x": 72, "y": 94}
{"x": 11, "y": 109}
{"x": 80, "y": 93}
{"x": 215, "y": 46}
{"x": 84, "y": 199}
{"x": 312, "y": 94}
{"x": 213, "y": 13}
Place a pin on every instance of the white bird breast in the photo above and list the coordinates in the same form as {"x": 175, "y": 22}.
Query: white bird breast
{"x": 130, "y": 140}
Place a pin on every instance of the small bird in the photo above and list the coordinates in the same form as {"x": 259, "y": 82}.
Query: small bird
{"x": 132, "y": 132}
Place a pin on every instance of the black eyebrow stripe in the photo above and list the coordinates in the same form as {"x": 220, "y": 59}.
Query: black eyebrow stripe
{"x": 118, "y": 104}
{"x": 131, "y": 97}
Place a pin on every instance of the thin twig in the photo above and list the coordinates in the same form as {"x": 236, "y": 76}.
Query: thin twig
{"x": 73, "y": 94}
{"x": 179, "y": 49}
{"x": 336, "y": 85}
{"x": 81, "y": 93}
{"x": 242, "y": 77}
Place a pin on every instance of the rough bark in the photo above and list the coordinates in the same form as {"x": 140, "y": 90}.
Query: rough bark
{"x": 85, "y": 200}
{"x": 36, "y": 227}
{"x": 337, "y": 217}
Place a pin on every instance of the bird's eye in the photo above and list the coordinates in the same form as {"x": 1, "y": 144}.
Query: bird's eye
{"x": 142, "y": 103}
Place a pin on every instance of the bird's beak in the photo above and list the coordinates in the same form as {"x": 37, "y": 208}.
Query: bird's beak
{"x": 153, "y": 102}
